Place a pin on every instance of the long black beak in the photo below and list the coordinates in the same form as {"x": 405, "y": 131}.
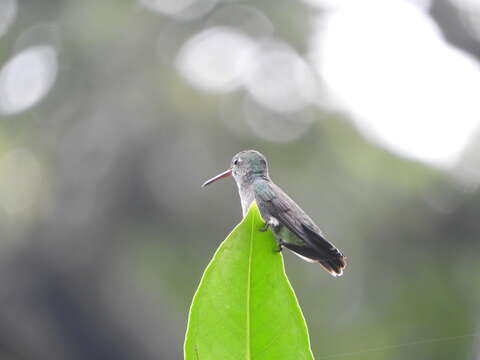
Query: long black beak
{"x": 218, "y": 177}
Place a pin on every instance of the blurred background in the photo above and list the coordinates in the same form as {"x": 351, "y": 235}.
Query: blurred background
{"x": 112, "y": 113}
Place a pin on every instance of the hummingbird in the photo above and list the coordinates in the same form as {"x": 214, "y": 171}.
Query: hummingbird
{"x": 291, "y": 226}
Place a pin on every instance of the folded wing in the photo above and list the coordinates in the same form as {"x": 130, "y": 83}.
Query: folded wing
{"x": 316, "y": 249}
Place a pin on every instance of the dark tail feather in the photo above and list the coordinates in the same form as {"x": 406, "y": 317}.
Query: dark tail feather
{"x": 331, "y": 260}
{"x": 334, "y": 266}
{"x": 327, "y": 255}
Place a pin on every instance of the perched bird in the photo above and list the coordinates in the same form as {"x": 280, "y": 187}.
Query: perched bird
{"x": 292, "y": 227}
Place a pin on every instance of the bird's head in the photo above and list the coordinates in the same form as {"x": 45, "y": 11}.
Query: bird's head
{"x": 248, "y": 164}
{"x": 245, "y": 167}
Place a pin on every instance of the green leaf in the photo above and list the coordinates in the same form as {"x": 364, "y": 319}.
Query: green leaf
{"x": 245, "y": 307}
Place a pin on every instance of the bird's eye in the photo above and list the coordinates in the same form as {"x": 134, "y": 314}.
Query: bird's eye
{"x": 235, "y": 162}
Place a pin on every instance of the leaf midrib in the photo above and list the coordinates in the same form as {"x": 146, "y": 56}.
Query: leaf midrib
{"x": 249, "y": 286}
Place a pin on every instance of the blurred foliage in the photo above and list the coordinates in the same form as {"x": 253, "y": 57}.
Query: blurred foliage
{"x": 105, "y": 231}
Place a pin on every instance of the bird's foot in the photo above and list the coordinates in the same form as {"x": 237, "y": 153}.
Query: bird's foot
{"x": 272, "y": 222}
{"x": 265, "y": 227}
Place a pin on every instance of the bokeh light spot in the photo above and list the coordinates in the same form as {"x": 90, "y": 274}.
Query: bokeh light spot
{"x": 167, "y": 7}
{"x": 214, "y": 59}
{"x": 182, "y": 9}
{"x": 279, "y": 78}
{"x": 248, "y": 19}
{"x": 407, "y": 89}
{"x": 27, "y": 78}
